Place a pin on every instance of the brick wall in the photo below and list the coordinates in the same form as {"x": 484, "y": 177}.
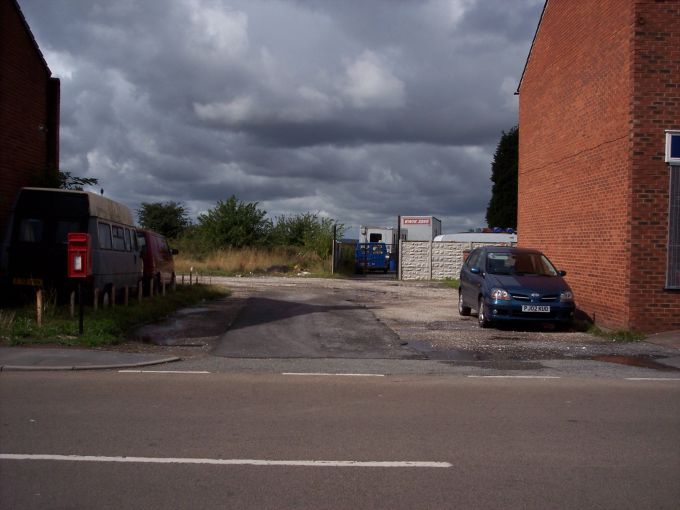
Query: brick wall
{"x": 655, "y": 105}
{"x": 574, "y": 186}
{"x": 427, "y": 260}
{"x": 29, "y": 110}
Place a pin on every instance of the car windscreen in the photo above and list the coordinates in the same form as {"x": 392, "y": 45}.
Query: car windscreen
{"x": 519, "y": 264}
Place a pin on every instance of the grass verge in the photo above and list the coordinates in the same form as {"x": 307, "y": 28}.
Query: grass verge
{"x": 101, "y": 327}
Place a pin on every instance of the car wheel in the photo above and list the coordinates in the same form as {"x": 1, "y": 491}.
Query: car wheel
{"x": 481, "y": 314}
{"x": 462, "y": 309}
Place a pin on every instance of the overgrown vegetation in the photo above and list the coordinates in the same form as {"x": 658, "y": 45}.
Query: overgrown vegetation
{"x": 237, "y": 237}
{"x": 251, "y": 261}
{"x": 101, "y": 327}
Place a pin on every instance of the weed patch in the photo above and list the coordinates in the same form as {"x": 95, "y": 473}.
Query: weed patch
{"x": 102, "y": 327}
{"x": 619, "y": 336}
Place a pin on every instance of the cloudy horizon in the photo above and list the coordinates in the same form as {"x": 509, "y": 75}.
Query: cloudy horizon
{"x": 359, "y": 111}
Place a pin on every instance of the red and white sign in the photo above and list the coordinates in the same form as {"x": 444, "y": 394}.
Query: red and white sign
{"x": 409, "y": 220}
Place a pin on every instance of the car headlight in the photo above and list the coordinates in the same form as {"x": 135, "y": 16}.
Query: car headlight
{"x": 500, "y": 295}
{"x": 566, "y": 296}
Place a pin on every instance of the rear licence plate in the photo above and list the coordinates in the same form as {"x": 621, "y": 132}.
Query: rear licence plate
{"x": 535, "y": 308}
{"x": 33, "y": 282}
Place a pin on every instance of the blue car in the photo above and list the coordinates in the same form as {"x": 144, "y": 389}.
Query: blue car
{"x": 505, "y": 283}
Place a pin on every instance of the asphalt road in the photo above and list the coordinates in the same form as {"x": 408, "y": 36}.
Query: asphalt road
{"x": 484, "y": 443}
{"x": 267, "y": 421}
{"x": 308, "y": 323}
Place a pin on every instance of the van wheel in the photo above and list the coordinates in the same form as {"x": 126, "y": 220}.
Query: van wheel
{"x": 463, "y": 310}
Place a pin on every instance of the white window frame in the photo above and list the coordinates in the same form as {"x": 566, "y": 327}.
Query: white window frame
{"x": 671, "y": 135}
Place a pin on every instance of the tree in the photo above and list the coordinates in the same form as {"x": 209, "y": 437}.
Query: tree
{"x": 234, "y": 224}
{"x": 68, "y": 181}
{"x": 502, "y": 209}
{"x": 319, "y": 238}
{"x": 167, "y": 218}
{"x": 307, "y": 230}
{"x": 64, "y": 180}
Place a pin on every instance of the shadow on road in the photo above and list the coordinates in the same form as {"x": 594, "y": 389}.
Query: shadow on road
{"x": 258, "y": 311}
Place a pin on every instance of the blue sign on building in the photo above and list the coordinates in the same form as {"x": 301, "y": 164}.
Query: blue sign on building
{"x": 673, "y": 147}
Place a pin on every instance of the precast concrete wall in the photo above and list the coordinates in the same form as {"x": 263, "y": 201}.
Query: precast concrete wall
{"x": 429, "y": 260}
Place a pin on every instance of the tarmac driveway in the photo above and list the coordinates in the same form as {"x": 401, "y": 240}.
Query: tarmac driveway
{"x": 292, "y": 322}
{"x": 308, "y": 317}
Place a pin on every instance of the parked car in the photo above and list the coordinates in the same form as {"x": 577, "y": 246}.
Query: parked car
{"x": 157, "y": 256}
{"x": 506, "y": 283}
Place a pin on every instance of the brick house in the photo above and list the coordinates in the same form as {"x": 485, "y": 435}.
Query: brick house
{"x": 29, "y": 110}
{"x": 600, "y": 88}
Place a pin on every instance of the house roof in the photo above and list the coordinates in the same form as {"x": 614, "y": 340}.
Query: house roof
{"x": 519, "y": 85}
{"x": 30, "y": 36}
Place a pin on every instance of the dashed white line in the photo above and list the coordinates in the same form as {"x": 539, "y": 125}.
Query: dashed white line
{"x": 651, "y": 379}
{"x": 332, "y": 375}
{"x": 163, "y": 372}
{"x": 228, "y": 462}
{"x": 514, "y": 376}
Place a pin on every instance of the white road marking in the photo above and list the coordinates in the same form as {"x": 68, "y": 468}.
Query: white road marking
{"x": 332, "y": 375}
{"x": 514, "y": 376}
{"x": 163, "y": 372}
{"x": 651, "y": 379}
{"x": 227, "y": 462}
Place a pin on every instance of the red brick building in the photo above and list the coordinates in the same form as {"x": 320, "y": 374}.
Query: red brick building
{"x": 600, "y": 88}
{"x": 29, "y": 110}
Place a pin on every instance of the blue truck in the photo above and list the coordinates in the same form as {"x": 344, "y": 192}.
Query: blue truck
{"x": 371, "y": 257}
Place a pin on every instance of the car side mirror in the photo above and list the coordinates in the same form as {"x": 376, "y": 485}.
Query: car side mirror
{"x": 475, "y": 270}
{"x": 562, "y": 273}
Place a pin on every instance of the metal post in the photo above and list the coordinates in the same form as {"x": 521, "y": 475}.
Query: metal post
{"x": 81, "y": 311}
{"x": 397, "y": 262}
{"x": 72, "y": 301}
{"x": 39, "y": 307}
{"x": 335, "y": 240}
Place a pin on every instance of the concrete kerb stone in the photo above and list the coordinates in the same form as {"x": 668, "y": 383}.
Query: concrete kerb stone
{"x": 66, "y": 368}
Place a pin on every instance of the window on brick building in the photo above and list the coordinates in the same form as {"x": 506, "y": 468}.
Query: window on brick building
{"x": 673, "y": 267}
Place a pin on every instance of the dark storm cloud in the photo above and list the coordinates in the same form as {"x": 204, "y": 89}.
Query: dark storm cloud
{"x": 361, "y": 110}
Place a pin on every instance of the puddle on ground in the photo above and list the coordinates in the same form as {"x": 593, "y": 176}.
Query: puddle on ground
{"x": 634, "y": 361}
{"x": 446, "y": 355}
{"x": 190, "y": 311}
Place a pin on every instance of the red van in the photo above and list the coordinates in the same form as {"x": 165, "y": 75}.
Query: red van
{"x": 157, "y": 256}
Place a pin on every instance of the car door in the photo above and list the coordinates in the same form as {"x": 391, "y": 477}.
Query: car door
{"x": 476, "y": 277}
{"x": 466, "y": 280}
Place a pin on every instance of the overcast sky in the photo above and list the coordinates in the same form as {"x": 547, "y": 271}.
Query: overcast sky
{"x": 359, "y": 110}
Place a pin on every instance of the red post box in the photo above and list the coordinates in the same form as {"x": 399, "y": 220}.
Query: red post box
{"x": 79, "y": 255}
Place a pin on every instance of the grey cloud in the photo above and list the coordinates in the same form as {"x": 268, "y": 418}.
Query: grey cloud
{"x": 361, "y": 110}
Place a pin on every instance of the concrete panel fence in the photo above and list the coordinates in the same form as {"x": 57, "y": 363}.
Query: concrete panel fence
{"x": 430, "y": 260}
